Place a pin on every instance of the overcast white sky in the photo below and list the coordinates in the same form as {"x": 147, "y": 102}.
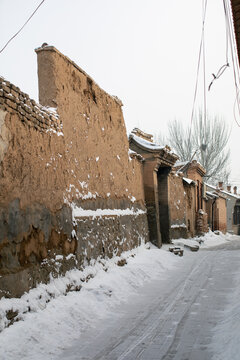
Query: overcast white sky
{"x": 145, "y": 52}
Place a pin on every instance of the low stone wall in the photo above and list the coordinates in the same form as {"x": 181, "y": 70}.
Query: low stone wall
{"x": 36, "y": 244}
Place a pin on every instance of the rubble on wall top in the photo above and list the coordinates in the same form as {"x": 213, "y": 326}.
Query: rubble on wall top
{"x": 30, "y": 112}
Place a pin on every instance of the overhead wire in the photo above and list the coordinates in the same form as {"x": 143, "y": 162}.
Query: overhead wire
{"x": 201, "y": 50}
{"x": 4, "y": 47}
{"x": 204, "y": 77}
{"x": 226, "y": 65}
{"x": 231, "y": 34}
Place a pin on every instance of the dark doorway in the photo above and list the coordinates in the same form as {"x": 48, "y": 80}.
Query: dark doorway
{"x": 163, "y": 198}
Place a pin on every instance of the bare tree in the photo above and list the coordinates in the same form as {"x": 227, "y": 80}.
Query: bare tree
{"x": 160, "y": 139}
{"x": 206, "y": 141}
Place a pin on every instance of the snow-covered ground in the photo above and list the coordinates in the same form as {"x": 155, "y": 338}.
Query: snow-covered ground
{"x": 211, "y": 239}
{"x": 55, "y": 320}
{"x": 51, "y": 319}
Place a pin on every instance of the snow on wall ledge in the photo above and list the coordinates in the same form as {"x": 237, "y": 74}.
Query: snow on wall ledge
{"x": 80, "y": 212}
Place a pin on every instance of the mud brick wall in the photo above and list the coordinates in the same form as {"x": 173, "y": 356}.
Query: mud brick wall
{"x": 54, "y": 161}
{"x": 220, "y": 215}
{"x": 178, "y": 224}
{"x": 182, "y": 207}
{"x": 201, "y": 222}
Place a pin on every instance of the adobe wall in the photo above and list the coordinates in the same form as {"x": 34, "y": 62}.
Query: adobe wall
{"x": 221, "y": 214}
{"x": 182, "y": 207}
{"x": 56, "y": 170}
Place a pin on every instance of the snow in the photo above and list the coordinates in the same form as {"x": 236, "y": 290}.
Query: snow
{"x": 73, "y": 234}
{"x": 180, "y": 163}
{"x": 78, "y": 194}
{"x": 145, "y": 143}
{"x": 212, "y": 194}
{"x": 214, "y": 239}
{"x": 83, "y": 184}
{"x": 51, "y": 130}
{"x": 206, "y": 241}
{"x": 50, "y": 109}
{"x": 222, "y": 191}
{"x": 51, "y": 317}
{"x": 131, "y": 152}
{"x": 80, "y": 212}
{"x": 189, "y": 181}
{"x": 225, "y": 344}
{"x": 55, "y": 318}
{"x": 174, "y": 226}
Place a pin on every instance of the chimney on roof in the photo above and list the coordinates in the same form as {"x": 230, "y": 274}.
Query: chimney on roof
{"x": 229, "y": 188}
{"x": 235, "y": 190}
{"x": 220, "y": 185}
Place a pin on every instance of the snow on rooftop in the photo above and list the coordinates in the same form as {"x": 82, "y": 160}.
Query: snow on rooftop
{"x": 211, "y": 186}
{"x": 211, "y": 194}
{"x": 146, "y": 144}
{"x": 230, "y": 194}
{"x": 189, "y": 181}
{"x": 181, "y": 163}
{"x": 223, "y": 191}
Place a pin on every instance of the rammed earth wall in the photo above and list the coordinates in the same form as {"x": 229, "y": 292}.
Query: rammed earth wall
{"x": 68, "y": 188}
{"x": 182, "y": 207}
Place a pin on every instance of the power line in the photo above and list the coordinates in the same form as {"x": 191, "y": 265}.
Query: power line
{"x": 4, "y": 47}
{"x": 229, "y": 25}
{"x": 226, "y": 65}
{"x": 201, "y": 49}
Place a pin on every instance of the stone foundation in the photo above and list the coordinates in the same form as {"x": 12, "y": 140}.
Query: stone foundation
{"x": 35, "y": 243}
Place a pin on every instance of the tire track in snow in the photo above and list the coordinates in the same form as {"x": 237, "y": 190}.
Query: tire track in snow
{"x": 182, "y": 295}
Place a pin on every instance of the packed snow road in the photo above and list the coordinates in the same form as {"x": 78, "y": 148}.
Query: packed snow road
{"x": 157, "y": 306}
{"x": 181, "y": 317}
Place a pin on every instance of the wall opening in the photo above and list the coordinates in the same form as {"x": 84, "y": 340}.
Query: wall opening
{"x": 163, "y": 199}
